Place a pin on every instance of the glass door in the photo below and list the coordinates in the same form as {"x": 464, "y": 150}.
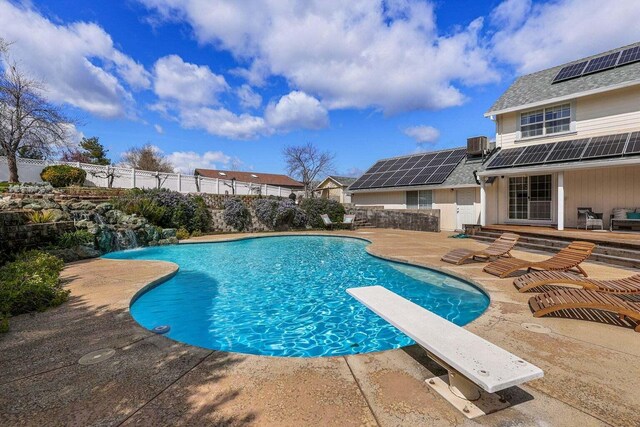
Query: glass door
{"x": 530, "y": 197}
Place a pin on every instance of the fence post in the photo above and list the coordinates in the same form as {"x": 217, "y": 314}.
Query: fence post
{"x": 279, "y": 191}
{"x": 133, "y": 178}
{"x": 179, "y": 183}
{"x": 217, "y": 185}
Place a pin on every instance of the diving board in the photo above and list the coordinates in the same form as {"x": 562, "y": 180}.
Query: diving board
{"x": 471, "y": 361}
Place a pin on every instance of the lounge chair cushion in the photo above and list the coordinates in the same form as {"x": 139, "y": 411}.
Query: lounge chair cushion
{"x": 633, "y": 215}
{"x": 620, "y": 213}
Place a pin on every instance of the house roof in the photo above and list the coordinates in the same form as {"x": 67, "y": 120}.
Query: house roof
{"x": 253, "y": 177}
{"x": 461, "y": 176}
{"x": 537, "y": 88}
{"x": 345, "y": 181}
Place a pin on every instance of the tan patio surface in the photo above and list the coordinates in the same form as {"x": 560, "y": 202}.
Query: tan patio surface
{"x": 592, "y": 370}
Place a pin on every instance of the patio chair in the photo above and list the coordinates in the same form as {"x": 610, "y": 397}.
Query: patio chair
{"x": 327, "y": 221}
{"x": 499, "y": 248}
{"x": 349, "y": 221}
{"x": 564, "y": 299}
{"x": 629, "y": 285}
{"x": 587, "y": 218}
{"x": 568, "y": 258}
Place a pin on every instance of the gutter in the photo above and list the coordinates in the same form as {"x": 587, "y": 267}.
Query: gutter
{"x": 560, "y": 167}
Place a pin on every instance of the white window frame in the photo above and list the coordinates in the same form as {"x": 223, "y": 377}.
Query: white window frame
{"x": 572, "y": 122}
{"x": 554, "y": 201}
{"x": 420, "y": 206}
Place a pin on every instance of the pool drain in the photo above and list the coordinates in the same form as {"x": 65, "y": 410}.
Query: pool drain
{"x": 163, "y": 329}
{"x": 96, "y": 356}
{"x": 534, "y": 327}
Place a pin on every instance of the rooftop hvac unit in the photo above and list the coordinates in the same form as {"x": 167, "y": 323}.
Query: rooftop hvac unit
{"x": 477, "y": 145}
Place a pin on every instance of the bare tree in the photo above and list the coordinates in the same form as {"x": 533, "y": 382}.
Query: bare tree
{"x": 147, "y": 158}
{"x": 306, "y": 163}
{"x": 28, "y": 122}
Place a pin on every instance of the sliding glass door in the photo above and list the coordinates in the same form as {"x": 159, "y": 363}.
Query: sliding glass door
{"x": 530, "y": 197}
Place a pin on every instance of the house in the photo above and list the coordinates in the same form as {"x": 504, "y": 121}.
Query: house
{"x": 567, "y": 137}
{"x": 257, "y": 178}
{"x": 335, "y": 188}
{"x": 441, "y": 180}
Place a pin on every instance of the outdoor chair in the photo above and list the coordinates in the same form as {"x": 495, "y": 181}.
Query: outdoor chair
{"x": 349, "y": 221}
{"x": 327, "y": 221}
{"x": 565, "y": 299}
{"x": 568, "y": 258}
{"x": 499, "y": 248}
{"x": 628, "y": 285}
{"x": 587, "y": 218}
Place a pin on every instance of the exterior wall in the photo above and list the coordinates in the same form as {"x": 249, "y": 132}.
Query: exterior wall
{"x": 445, "y": 201}
{"x": 387, "y": 200}
{"x": 498, "y": 203}
{"x": 329, "y": 190}
{"x": 600, "y": 114}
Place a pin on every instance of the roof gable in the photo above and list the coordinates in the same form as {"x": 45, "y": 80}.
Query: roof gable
{"x": 252, "y": 177}
{"x": 538, "y": 87}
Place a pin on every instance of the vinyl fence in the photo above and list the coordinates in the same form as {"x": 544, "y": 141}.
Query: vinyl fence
{"x": 99, "y": 176}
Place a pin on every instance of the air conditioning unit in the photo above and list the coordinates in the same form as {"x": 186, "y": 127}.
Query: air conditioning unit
{"x": 477, "y": 145}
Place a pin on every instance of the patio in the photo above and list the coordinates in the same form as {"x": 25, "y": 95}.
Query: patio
{"x": 591, "y": 369}
{"x": 595, "y": 236}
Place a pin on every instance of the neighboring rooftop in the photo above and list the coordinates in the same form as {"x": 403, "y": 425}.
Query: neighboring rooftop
{"x": 253, "y": 177}
{"x": 538, "y": 87}
{"x": 345, "y": 181}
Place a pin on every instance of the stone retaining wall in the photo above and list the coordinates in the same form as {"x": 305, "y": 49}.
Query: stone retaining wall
{"x": 16, "y": 236}
{"x": 404, "y": 219}
{"x": 218, "y": 224}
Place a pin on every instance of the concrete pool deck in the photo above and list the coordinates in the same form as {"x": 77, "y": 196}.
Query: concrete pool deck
{"x": 592, "y": 370}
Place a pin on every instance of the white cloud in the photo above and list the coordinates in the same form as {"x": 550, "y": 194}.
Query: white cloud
{"x": 248, "y": 98}
{"x": 158, "y": 128}
{"x": 295, "y": 111}
{"x": 423, "y": 134}
{"x": 356, "y": 54}
{"x": 186, "y": 83}
{"x": 186, "y": 161}
{"x": 78, "y": 62}
{"x": 223, "y": 122}
{"x": 538, "y": 36}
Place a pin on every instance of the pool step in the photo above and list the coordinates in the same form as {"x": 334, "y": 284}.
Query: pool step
{"x": 625, "y": 255}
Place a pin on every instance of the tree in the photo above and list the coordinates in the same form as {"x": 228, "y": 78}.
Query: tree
{"x": 91, "y": 152}
{"x": 28, "y": 122}
{"x": 306, "y": 163}
{"x": 147, "y": 158}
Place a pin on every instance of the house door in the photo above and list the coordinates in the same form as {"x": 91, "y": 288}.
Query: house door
{"x": 465, "y": 210}
{"x": 530, "y": 197}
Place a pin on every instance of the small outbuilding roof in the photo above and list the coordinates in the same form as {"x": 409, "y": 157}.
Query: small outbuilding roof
{"x": 253, "y": 177}
{"x": 537, "y": 88}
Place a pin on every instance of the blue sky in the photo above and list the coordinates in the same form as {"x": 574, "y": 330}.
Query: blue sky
{"x": 228, "y": 84}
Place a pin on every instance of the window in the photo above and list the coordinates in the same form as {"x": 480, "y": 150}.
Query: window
{"x": 530, "y": 197}
{"x": 419, "y": 199}
{"x": 545, "y": 121}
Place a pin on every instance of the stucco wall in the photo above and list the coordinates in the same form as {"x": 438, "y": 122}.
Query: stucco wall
{"x": 388, "y": 200}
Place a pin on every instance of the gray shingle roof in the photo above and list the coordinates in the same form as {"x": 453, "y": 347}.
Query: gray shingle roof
{"x": 344, "y": 180}
{"x": 537, "y": 87}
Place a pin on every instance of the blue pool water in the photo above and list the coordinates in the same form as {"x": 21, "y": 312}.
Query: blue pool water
{"x": 285, "y": 296}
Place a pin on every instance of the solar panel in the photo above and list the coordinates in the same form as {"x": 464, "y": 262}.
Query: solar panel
{"x": 456, "y": 156}
{"x": 375, "y": 167}
{"x": 423, "y": 176}
{"x": 441, "y": 174}
{"x": 629, "y": 55}
{"x": 605, "y": 146}
{"x": 386, "y": 165}
{"x": 602, "y": 63}
{"x": 534, "y": 154}
{"x": 567, "y": 150}
{"x": 633, "y": 146}
{"x": 505, "y": 158}
{"x": 380, "y": 180}
{"x": 570, "y": 71}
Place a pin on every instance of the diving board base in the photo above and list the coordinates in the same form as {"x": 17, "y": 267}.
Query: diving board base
{"x": 486, "y": 403}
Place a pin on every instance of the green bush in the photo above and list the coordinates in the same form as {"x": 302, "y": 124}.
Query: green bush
{"x": 41, "y": 217}
{"x": 316, "y": 207}
{"x": 182, "y": 234}
{"x": 63, "y": 175}
{"x": 236, "y": 214}
{"x": 74, "y": 239}
{"x": 30, "y": 283}
{"x": 197, "y": 233}
{"x": 141, "y": 206}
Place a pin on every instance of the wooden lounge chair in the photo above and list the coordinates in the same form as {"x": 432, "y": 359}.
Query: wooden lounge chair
{"x": 629, "y": 285}
{"x": 499, "y": 248}
{"x": 568, "y": 258}
{"x": 564, "y": 299}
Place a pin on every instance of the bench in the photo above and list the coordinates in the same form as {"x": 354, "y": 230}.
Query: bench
{"x": 471, "y": 361}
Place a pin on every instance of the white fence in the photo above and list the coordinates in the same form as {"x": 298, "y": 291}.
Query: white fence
{"x": 99, "y": 176}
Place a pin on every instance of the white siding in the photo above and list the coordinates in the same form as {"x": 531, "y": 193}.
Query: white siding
{"x": 601, "y": 114}
{"x": 445, "y": 200}
{"x": 388, "y": 200}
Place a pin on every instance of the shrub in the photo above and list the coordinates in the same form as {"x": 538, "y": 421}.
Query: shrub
{"x": 201, "y": 220}
{"x": 236, "y": 214}
{"x": 197, "y": 233}
{"x": 40, "y": 217}
{"x": 182, "y": 234}
{"x": 316, "y": 207}
{"x": 265, "y": 210}
{"x": 30, "y": 283}
{"x": 143, "y": 207}
{"x": 289, "y": 215}
{"x": 74, "y": 239}
{"x": 63, "y": 175}
{"x": 31, "y": 188}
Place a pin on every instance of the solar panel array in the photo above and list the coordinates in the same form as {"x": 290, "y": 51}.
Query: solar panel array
{"x": 601, "y": 63}
{"x": 567, "y": 151}
{"x": 419, "y": 169}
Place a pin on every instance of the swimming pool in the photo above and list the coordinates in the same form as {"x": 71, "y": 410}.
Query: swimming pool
{"x": 285, "y": 296}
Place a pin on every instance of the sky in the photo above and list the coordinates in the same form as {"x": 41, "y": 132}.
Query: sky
{"x": 227, "y": 84}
